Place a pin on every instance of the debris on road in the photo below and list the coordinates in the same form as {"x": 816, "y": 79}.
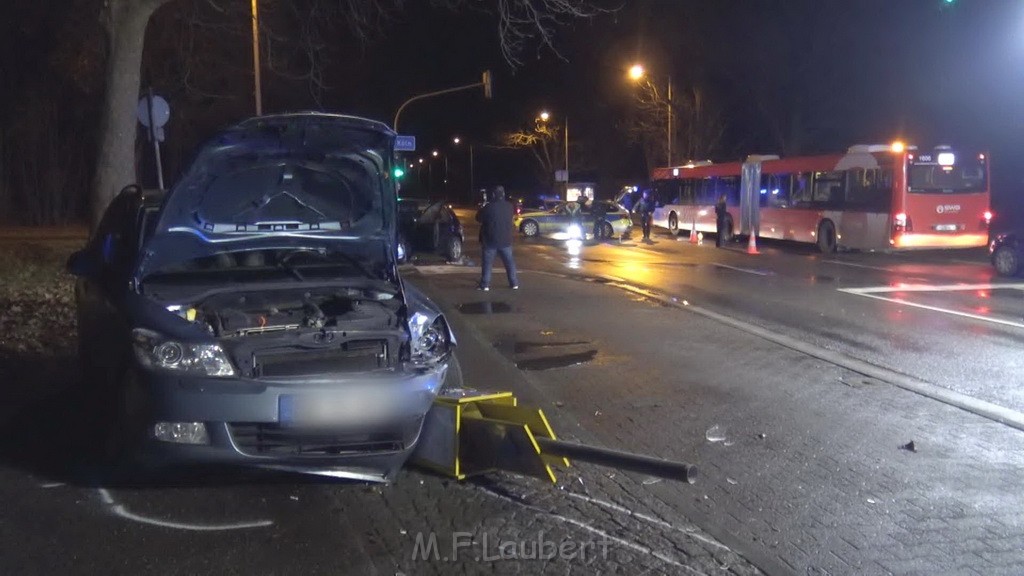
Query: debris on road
{"x": 715, "y": 434}
{"x": 909, "y": 446}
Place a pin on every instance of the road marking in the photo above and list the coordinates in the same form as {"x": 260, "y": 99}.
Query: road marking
{"x": 933, "y": 288}
{"x": 123, "y": 512}
{"x": 855, "y": 265}
{"x": 446, "y": 269}
{"x": 747, "y": 270}
{"x": 873, "y": 293}
{"x": 994, "y": 412}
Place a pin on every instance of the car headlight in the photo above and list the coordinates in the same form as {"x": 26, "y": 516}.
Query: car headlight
{"x": 158, "y": 352}
{"x": 575, "y": 232}
{"x": 431, "y": 342}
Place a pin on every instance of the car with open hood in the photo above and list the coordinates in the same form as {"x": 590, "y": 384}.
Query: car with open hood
{"x": 254, "y": 313}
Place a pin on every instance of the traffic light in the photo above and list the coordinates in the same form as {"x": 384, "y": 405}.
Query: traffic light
{"x": 398, "y": 172}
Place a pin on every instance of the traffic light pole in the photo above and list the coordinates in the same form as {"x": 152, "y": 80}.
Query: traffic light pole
{"x": 485, "y": 83}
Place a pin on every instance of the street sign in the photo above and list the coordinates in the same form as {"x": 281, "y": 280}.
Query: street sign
{"x": 405, "y": 143}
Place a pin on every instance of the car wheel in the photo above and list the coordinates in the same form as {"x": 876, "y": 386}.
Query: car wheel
{"x": 606, "y": 230}
{"x": 673, "y": 224}
{"x": 453, "y": 250}
{"x": 827, "y": 237}
{"x": 529, "y": 228}
{"x": 1006, "y": 261}
{"x": 124, "y": 428}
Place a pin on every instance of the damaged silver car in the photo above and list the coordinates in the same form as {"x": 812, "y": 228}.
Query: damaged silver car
{"x": 254, "y": 314}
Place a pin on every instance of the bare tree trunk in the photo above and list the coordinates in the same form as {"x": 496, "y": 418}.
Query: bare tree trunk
{"x": 125, "y": 22}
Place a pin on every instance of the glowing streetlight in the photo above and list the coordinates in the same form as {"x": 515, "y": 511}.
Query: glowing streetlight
{"x": 434, "y": 153}
{"x": 636, "y": 71}
{"x": 456, "y": 140}
{"x": 544, "y": 116}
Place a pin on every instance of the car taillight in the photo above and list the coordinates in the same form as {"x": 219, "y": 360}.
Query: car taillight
{"x": 986, "y": 219}
{"x": 901, "y": 223}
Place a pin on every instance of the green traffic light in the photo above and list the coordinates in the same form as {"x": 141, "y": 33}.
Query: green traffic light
{"x": 399, "y": 172}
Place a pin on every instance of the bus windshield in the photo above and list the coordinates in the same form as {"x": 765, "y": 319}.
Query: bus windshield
{"x": 959, "y": 177}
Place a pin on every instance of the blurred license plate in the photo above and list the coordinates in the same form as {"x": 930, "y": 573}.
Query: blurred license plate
{"x": 330, "y": 410}
{"x": 946, "y": 228}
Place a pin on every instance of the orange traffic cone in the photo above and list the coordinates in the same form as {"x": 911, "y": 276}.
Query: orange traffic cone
{"x": 693, "y": 232}
{"x": 752, "y": 244}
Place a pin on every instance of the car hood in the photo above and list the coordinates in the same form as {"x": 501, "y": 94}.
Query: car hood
{"x": 286, "y": 180}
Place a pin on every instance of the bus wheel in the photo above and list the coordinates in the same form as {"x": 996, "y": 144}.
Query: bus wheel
{"x": 1006, "y": 261}
{"x": 673, "y": 224}
{"x": 827, "y": 237}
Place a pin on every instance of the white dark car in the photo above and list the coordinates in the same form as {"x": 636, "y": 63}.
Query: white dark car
{"x": 255, "y": 315}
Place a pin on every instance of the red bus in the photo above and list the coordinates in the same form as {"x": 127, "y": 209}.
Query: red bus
{"x": 873, "y": 197}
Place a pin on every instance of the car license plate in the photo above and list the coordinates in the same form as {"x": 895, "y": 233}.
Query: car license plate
{"x": 331, "y": 410}
{"x": 946, "y": 228}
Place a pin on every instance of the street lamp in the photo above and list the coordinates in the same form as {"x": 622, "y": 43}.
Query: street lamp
{"x": 637, "y": 73}
{"x": 544, "y": 116}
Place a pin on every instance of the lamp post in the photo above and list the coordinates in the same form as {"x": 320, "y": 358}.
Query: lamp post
{"x": 544, "y": 116}
{"x": 637, "y": 73}
{"x": 458, "y": 140}
{"x": 256, "y": 57}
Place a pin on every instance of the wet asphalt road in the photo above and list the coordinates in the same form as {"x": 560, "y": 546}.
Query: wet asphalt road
{"x": 802, "y": 470}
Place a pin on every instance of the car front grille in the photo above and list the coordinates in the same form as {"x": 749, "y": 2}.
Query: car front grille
{"x": 351, "y": 356}
{"x": 259, "y": 439}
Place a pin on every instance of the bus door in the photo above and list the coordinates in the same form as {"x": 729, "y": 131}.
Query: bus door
{"x": 867, "y": 208}
{"x": 774, "y": 203}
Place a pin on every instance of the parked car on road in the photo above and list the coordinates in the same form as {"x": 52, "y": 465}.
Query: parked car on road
{"x": 433, "y": 228}
{"x": 1007, "y": 252}
{"x": 255, "y": 314}
{"x": 615, "y": 223}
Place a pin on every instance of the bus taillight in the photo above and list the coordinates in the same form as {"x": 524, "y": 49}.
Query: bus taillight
{"x": 986, "y": 219}
{"x": 900, "y": 223}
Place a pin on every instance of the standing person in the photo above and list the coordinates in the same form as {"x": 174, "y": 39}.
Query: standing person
{"x": 496, "y": 226}
{"x": 721, "y": 211}
{"x": 645, "y": 208}
{"x": 598, "y": 210}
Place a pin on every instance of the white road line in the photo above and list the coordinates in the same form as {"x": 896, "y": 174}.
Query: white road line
{"x": 938, "y": 309}
{"x": 841, "y": 263}
{"x": 747, "y": 270}
{"x": 932, "y": 288}
{"x": 123, "y": 512}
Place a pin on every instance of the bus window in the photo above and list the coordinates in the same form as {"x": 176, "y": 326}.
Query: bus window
{"x": 775, "y": 190}
{"x": 869, "y": 189}
{"x": 666, "y": 192}
{"x": 828, "y": 188}
{"x": 730, "y": 186}
{"x": 800, "y": 195}
{"x": 686, "y": 195}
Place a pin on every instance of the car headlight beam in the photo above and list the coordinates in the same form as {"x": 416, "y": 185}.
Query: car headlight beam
{"x": 158, "y": 352}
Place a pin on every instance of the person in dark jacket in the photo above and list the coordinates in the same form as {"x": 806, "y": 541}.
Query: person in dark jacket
{"x": 598, "y": 210}
{"x": 645, "y": 208}
{"x": 496, "y": 229}
{"x": 721, "y": 212}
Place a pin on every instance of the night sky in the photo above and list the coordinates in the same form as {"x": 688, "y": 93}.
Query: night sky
{"x": 863, "y": 71}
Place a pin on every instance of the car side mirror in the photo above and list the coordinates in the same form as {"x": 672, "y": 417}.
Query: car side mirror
{"x": 82, "y": 264}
